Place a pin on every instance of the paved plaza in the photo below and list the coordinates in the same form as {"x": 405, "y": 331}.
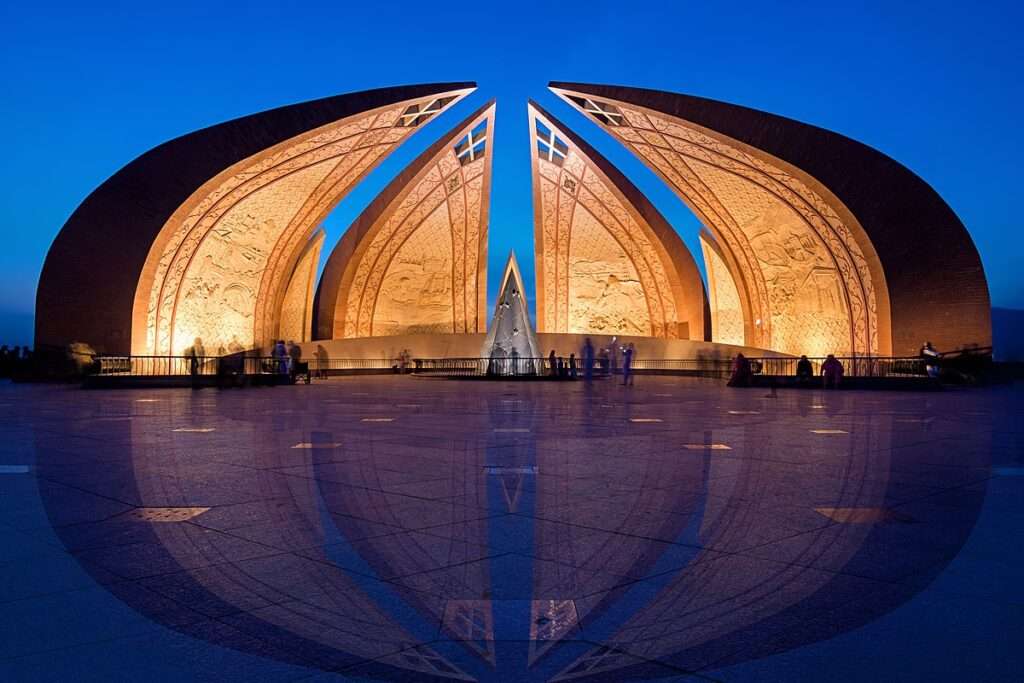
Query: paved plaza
{"x": 400, "y": 528}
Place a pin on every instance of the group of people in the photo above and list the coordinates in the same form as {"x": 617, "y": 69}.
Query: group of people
{"x": 13, "y": 359}
{"x": 287, "y": 358}
{"x": 604, "y": 361}
{"x": 831, "y": 372}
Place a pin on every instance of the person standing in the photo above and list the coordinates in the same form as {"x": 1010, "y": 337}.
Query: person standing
{"x": 195, "y": 353}
{"x": 588, "y": 359}
{"x": 552, "y": 364}
{"x": 627, "y": 365}
{"x": 281, "y": 357}
{"x": 294, "y": 358}
{"x": 572, "y": 365}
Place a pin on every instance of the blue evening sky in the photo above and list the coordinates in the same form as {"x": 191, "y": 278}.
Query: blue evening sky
{"x": 86, "y": 87}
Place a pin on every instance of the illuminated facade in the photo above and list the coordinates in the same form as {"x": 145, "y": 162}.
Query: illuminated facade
{"x": 813, "y": 243}
{"x": 416, "y": 260}
{"x": 202, "y": 234}
{"x": 832, "y": 246}
{"x": 606, "y": 261}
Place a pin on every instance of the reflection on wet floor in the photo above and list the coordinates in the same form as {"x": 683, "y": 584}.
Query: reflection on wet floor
{"x": 563, "y": 535}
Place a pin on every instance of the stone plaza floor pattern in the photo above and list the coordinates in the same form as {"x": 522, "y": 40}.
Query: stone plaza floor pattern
{"x": 402, "y": 529}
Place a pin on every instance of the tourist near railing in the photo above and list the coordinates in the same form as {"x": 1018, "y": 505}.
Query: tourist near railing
{"x": 171, "y": 366}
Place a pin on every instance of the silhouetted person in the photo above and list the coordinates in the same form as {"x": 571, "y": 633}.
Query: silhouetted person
{"x": 831, "y": 372}
{"x": 497, "y": 361}
{"x": 195, "y": 354}
{"x": 588, "y": 359}
{"x": 321, "y": 361}
{"x": 515, "y": 361}
{"x": 804, "y": 371}
{"x": 562, "y": 371}
{"x": 931, "y": 359}
{"x": 572, "y": 365}
{"x": 741, "y": 372}
{"x": 281, "y": 357}
{"x": 552, "y": 364}
{"x": 627, "y": 365}
{"x": 294, "y": 358}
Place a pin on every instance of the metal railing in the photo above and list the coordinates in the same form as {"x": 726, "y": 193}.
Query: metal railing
{"x": 853, "y": 366}
{"x": 176, "y": 366}
{"x": 237, "y": 364}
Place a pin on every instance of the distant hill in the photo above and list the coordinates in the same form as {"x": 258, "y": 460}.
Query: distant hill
{"x": 1008, "y": 333}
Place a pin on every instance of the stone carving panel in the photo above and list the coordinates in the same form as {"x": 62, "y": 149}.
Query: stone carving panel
{"x": 223, "y": 263}
{"x": 600, "y": 267}
{"x": 604, "y": 293}
{"x": 415, "y": 296}
{"x": 805, "y": 277}
{"x": 417, "y": 268}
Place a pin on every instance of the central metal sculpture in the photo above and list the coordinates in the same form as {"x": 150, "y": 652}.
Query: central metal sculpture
{"x": 511, "y": 343}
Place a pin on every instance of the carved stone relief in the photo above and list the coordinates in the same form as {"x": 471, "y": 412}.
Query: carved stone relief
{"x": 223, "y": 267}
{"x": 805, "y": 277}
{"x": 417, "y": 268}
{"x": 599, "y": 269}
{"x": 415, "y": 295}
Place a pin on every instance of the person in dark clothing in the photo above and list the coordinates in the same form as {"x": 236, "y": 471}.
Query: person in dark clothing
{"x": 552, "y": 364}
{"x": 831, "y": 372}
{"x": 627, "y": 365}
{"x": 931, "y": 359}
{"x": 294, "y": 358}
{"x": 572, "y": 365}
{"x": 588, "y": 359}
{"x": 196, "y": 353}
{"x": 741, "y": 372}
{"x": 804, "y": 371}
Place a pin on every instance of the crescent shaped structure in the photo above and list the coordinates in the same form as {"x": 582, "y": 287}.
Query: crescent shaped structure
{"x": 201, "y": 236}
{"x": 415, "y": 261}
{"x": 829, "y": 245}
{"x": 607, "y": 262}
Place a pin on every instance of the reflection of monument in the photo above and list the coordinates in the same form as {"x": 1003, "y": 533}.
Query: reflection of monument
{"x": 510, "y": 337}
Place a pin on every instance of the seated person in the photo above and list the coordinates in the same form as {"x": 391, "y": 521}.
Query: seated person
{"x": 804, "y": 370}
